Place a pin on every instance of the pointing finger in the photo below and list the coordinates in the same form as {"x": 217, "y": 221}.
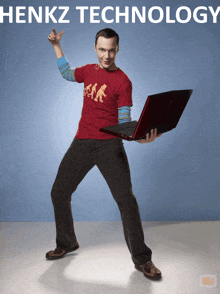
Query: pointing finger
{"x": 61, "y": 33}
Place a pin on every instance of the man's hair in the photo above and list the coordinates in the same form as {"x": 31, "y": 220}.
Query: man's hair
{"x": 107, "y": 33}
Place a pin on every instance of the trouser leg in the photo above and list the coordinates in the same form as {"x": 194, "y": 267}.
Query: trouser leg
{"x": 114, "y": 166}
{"x": 74, "y": 166}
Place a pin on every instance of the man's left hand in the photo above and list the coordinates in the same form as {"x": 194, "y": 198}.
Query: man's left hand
{"x": 150, "y": 138}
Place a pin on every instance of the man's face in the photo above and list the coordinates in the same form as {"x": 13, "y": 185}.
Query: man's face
{"x": 106, "y": 49}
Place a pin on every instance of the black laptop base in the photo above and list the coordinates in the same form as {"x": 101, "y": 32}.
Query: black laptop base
{"x": 126, "y": 130}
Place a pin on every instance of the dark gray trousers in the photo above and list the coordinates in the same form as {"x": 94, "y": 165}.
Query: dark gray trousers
{"x": 110, "y": 158}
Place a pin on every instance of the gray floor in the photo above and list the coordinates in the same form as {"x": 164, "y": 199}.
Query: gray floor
{"x": 187, "y": 253}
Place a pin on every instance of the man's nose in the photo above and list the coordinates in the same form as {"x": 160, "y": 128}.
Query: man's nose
{"x": 107, "y": 54}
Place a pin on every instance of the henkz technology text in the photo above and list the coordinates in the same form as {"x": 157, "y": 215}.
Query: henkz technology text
{"x": 108, "y": 14}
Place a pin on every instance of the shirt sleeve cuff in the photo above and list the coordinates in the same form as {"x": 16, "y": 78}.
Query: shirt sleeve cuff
{"x": 61, "y": 61}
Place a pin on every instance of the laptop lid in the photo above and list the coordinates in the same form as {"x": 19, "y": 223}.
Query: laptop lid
{"x": 162, "y": 111}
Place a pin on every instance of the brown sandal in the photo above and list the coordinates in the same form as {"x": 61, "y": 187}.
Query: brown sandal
{"x": 60, "y": 252}
{"x": 150, "y": 271}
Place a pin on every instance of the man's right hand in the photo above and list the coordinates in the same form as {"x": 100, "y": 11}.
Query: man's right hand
{"x": 54, "y": 38}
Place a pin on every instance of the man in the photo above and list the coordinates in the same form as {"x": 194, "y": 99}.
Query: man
{"x": 107, "y": 100}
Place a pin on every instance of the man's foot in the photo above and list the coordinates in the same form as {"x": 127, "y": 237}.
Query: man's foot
{"x": 60, "y": 252}
{"x": 150, "y": 271}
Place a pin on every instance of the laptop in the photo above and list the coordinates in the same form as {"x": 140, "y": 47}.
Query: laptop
{"x": 161, "y": 111}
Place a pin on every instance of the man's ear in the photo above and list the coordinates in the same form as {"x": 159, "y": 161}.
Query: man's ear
{"x": 95, "y": 47}
{"x": 117, "y": 48}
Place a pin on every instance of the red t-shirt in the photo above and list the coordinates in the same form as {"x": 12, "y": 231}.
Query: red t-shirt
{"x": 104, "y": 92}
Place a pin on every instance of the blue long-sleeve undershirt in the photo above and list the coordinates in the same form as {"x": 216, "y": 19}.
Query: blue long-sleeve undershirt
{"x": 67, "y": 72}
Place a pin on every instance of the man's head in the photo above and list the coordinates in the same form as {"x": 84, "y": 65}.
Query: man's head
{"x": 106, "y": 47}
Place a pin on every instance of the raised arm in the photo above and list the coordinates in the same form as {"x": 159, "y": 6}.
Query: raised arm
{"x": 54, "y": 39}
{"x": 66, "y": 71}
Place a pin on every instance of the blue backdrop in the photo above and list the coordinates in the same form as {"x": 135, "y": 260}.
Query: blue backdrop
{"x": 175, "y": 178}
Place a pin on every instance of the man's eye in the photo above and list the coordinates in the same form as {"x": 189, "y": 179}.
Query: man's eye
{"x": 102, "y": 49}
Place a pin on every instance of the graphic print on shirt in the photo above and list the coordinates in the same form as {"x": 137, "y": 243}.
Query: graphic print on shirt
{"x": 86, "y": 90}
{"x": 93, "y": 91}
{"x": 90, "y": 91}
{"x": 101, "y": 93}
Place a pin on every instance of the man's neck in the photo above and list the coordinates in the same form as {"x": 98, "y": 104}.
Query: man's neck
{"x": 112, "y": 68}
